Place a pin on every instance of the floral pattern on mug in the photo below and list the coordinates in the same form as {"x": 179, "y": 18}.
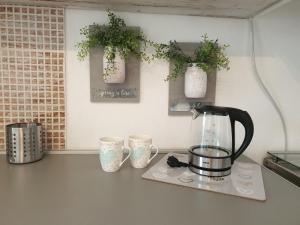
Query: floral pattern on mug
{"x": 110, "y": 159}
{"x": 140, "y": 148}
{"x": 107, "y": 155}
{"x": 111, "y": 153}
{"x": 138, "y": 152}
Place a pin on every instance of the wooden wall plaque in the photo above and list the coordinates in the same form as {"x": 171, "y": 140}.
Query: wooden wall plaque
{"x": 178, "y": 103}
{"x": 129, "y": 91}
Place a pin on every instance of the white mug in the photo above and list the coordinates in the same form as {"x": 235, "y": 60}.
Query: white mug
{"x": 111, "y": 153}
{"x": 140, "y": 150}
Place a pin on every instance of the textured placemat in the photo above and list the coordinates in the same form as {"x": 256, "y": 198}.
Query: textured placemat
{"x": 245, "y": 179}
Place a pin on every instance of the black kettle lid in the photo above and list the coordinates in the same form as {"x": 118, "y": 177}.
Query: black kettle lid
{"x": 214, "y": 110}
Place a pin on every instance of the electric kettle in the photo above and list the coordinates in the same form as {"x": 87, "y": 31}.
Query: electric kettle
{"x": 217, "y": 152}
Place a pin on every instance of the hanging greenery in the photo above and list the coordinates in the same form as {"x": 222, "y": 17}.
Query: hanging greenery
{"x": 209, "y": 56}
{"x": 114, "y": 37}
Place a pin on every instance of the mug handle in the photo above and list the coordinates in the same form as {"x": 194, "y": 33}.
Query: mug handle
{"x": 129, "y": 152}
{"x": 153, "y": 146}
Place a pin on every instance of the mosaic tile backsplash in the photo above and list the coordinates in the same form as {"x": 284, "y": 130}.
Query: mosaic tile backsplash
{"x": 32, "y": 70}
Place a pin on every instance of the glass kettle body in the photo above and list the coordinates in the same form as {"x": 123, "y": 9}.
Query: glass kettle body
{"x": 216, "y": 152}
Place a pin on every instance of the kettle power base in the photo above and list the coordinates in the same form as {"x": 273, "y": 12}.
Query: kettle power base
{"x": 244, "y": 181}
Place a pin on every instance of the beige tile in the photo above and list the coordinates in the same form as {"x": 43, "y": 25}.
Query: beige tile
{"x": 32, "y": 70}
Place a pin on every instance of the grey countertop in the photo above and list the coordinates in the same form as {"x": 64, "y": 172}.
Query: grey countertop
{"x": 73, "y": 190}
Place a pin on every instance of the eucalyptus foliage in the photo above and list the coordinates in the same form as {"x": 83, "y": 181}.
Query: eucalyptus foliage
{"x": 209, "y": 56}
{"x": 113, "y": 37}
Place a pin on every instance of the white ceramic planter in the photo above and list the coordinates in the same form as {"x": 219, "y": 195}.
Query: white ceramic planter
{"x": 195, "y": 82}
{"x": 119, "y": 74}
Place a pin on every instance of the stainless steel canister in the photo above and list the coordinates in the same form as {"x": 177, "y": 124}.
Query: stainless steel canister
{"x": 24, "y": 142}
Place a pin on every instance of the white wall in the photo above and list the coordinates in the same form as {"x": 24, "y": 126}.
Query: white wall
{"x": 87, "y": 121}
{"x": 277, "y": 47}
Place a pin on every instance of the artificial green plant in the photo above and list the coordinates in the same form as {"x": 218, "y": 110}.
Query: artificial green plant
{"x": 114, "y": 37}
{"x": 208, "y": 56}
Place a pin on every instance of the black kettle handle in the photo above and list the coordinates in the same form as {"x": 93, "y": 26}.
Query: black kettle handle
{"x": 244, "y": 118}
